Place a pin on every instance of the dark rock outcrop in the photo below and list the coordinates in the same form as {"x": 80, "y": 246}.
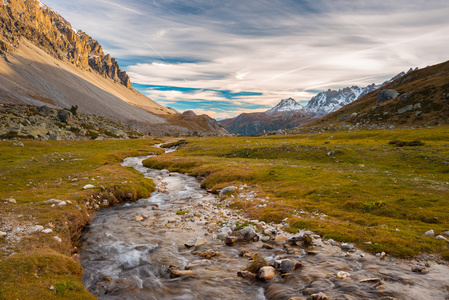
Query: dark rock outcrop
{"x": 386, "y": 95}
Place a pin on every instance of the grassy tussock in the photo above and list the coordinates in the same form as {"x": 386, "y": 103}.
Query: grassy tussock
{"x": 376, "y": 194}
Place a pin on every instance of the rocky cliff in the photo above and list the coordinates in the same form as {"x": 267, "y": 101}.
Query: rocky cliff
{"x": 38, "y": 23}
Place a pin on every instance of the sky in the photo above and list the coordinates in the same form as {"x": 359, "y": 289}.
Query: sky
{"x": 225, "y": 57}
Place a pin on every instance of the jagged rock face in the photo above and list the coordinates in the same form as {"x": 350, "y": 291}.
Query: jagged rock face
{"x": 47, "y": 29}
{"x": 326, "y": 102}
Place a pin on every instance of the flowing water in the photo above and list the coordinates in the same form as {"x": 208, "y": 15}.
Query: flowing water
{"x": 130, "y": 252}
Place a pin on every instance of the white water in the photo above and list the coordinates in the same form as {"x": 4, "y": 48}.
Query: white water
{"x": 129, "y": 259}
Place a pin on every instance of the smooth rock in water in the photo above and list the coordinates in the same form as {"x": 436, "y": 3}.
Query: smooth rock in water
{"x": 343, "y": 275}
{"x": 246, "y": 275}
{"x": 287, "y": 265}
{"x": 196, "y": 242}
{"x": 210, "y": 253}
{"x": 88, "y": 186}
{"x": 179, "y": 273}
{"x": 430, "y": 232}
{"x": 265, "y": 238}
{"x": 230, "y": 240}
{"x": 198, "y": 263}
{"x": 266, "y": 273}
{"x": 420, "y": 269}
{"x": 247, "y": 234}
{"x": 347, "y": 247}
{"x": 2, "y": 234}
{"x": 320, "y": 296}
{"x": 48, "y": 230}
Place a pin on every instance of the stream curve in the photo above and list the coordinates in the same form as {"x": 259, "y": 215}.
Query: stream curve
{"x": 152, "y": 249}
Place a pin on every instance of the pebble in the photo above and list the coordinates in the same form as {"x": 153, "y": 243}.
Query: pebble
{"x": 420, "y": 269}
{"x": 196, "y": 242}
{"x": 2, "y": 234}
{"x": 179, "y": 273}
{"x": 266, "y": 273}
{"x": 230, "y": 240}
{"x": 246, "y": 275}
{"x": 343, "y": 275}
{"x": 210, "y": 253}
{"x": 347, "y": 247}
{"x": 88, "y": 186}
{"x": 48, "y": 230}
{"x": 320, "y": 296}
{"x": 57, "y": 238}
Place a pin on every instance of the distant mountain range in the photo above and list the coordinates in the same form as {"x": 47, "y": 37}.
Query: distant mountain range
{"x": 288, "y": 113}
{"x": 326, "y": 102}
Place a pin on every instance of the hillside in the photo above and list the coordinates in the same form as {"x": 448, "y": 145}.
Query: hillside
{"x": 44, "y": 61}
{"x": 417, "y": 99}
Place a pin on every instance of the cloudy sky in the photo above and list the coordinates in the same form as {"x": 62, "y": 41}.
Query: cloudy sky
{"x": 224, "y": 57}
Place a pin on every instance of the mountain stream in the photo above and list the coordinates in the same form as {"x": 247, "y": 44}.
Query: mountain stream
{"x": 170, "y": 246}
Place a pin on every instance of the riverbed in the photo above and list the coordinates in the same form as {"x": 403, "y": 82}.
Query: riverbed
{"x": 171, "y": 246}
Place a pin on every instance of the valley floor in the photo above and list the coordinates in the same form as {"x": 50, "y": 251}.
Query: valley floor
{"x": 375, "y": 189}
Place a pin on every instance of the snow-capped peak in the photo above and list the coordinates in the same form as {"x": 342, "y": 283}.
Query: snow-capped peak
{"x": 286, "y": 105}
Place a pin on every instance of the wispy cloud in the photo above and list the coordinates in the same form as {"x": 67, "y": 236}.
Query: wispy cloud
{"x": 271, "y": 49}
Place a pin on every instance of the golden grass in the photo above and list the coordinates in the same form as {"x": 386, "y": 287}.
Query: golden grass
{"x": 58, "y": 170}
{"x": 375, "y": 194}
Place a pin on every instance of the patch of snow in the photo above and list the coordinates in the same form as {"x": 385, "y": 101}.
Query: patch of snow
{"x": 286, "y": 105}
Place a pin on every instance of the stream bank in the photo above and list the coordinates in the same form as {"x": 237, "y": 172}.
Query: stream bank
{"x": 172, "y": 246}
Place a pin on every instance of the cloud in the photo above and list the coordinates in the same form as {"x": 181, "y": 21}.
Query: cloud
{"x": 271, "y": 49}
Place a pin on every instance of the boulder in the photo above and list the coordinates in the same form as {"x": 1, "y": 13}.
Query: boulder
{"x": 386, "y": 95}
{"x": 65, "y": 116}
{"x": 44, "y": 110}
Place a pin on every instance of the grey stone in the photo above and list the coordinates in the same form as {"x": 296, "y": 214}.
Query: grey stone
{"x": 347, "y": 247}
{"x": 386, "y": 95}
{"x": 247, "y": 234}
{"x": 430, "y": 232}
{"x": 405, "y": 109}
{"x": 227, "y": 189}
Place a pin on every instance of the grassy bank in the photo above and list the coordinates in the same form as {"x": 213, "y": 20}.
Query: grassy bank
{"x": 32, "y": 261}
{"x": 375, "y": 191}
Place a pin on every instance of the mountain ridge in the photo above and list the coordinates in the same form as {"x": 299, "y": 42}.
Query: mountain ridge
{"x": 44, "y": 61}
